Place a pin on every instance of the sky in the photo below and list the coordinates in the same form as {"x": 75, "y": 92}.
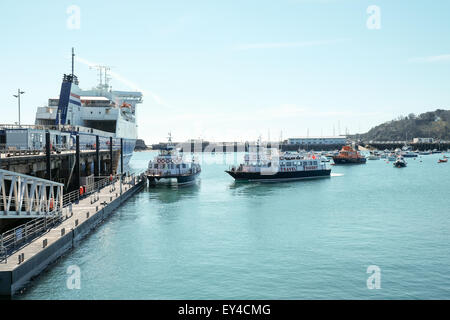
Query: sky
{"x": 235, "y": 70}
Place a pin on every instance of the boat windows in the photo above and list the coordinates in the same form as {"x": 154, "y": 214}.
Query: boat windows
{"x": 288, "y": 164}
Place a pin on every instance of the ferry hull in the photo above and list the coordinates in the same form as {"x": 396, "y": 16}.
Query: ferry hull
{"x": 183, "y": 179}
{"x": 279, "y": 176}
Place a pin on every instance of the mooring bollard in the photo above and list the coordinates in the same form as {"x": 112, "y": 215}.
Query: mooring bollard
{"x": 110, "y": 198}
{"x": 44, "y": 243}
{"x": 87, "y": 215}
{"x": 63, "y": 231}
{"x": 96, "y": 209}
{"x": 21, "y": 257}
{"x": 76, "y": 223}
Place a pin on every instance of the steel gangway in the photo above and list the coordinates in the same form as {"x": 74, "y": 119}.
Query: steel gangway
{"x": 23, "y": 196}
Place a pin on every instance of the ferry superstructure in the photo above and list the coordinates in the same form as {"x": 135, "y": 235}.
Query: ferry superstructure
{"x": 100, "y": 111}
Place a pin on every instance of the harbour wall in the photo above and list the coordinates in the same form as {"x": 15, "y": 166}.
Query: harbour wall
{"x": 220, "y": 147}
{"x": 441, "y": 146}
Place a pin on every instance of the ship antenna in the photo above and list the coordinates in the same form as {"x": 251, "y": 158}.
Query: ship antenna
{"x": 73, "y": 58}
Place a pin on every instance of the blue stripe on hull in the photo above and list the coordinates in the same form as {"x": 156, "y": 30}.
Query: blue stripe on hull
{"x": 75, "y": 102}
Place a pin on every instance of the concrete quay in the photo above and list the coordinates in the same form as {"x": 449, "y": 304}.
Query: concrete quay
{"x": 79, "y": 220}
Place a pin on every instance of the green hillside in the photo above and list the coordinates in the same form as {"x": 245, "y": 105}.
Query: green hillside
{"x": 434, "y": 124}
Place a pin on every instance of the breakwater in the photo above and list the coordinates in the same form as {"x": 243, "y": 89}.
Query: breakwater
{"x": 222, "y": 147}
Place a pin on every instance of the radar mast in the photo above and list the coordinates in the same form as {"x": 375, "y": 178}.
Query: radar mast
{"x": 103, "y": 77}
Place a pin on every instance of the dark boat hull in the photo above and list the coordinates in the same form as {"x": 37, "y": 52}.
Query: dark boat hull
{"x": 410, "y": 156}
{"x": 349, "y": 160}
{"x": 399, "y": 165}
{"x": 181, "y": 179}
{"x": 188, "y": 179}
{"x": 279, "y": 176}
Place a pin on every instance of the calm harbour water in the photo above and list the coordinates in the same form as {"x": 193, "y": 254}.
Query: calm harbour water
{"x": 295, "y": 240}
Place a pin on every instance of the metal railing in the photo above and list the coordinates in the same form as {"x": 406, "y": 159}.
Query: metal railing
{"x": 12, "y": 240}
{"x": 10, "y": 151}
{"x": 3, "y": 254}
{"x": 75, "y": 196}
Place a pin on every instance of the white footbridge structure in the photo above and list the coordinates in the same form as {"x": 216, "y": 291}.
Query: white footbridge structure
{"x": 23, "y": 196}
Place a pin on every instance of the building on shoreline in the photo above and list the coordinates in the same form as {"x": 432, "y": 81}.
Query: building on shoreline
{"x": 423, "y": 140}
{"x": 318, "y": 140}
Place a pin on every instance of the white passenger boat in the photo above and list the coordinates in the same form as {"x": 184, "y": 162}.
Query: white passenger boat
{"x": 169, "y": 165}
{"x": 273, "y": 166}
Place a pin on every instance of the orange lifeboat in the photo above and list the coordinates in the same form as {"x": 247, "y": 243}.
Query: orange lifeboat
{"x": 348, "y": 155}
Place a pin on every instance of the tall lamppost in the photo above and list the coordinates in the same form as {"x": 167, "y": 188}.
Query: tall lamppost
{"x": 19, "y": 93}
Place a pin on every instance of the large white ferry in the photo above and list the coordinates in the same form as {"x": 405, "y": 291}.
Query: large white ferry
{"x": 100, "y": 111}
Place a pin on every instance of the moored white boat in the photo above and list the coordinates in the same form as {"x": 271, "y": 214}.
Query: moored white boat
{"x": 169, "y": 165}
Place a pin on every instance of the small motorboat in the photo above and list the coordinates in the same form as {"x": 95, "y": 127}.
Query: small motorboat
{"x": 373, "y": 156}
{"x": 392, "y": 157}
{"x": 442, "y": 160}
{"x": 400, "y": 162}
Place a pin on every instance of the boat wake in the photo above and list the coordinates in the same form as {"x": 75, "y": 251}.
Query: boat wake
{"x": 337, "y": 174}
